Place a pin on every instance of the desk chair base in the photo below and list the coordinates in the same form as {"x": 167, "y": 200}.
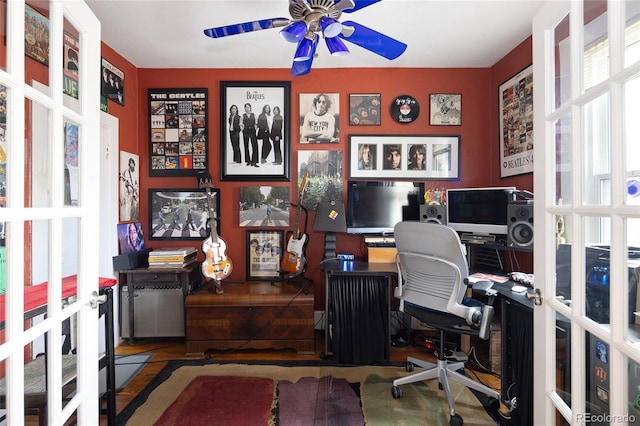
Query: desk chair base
{"x": 444, "y": 371}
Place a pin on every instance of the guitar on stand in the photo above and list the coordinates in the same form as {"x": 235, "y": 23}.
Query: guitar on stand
{"x": 293, "y": 261}
{"x": 216, "y": 265}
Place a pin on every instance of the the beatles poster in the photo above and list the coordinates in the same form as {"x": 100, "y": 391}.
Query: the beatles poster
{"x": 516, "y": 124}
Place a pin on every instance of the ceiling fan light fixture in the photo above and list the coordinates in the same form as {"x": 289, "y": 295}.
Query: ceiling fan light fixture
{"x": 336, "y": 46}
{"x": 304, "y": 50}
{"x": 294, "y": 31}
{"x": 330, "y": 27}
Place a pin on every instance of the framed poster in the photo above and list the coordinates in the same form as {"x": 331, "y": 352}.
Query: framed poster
{"x": 181, "y": 214}
{"x": 255, "y": 128}
{"x": 413, "y": 157}
{"x": 325, "y": 179}
{"x": 445, "y": 109}
{"x": 364, "y": 109}
{"x": 264, "y": 206}
{"x": 264, "y": 252}
{"x": 112, "y": 85}
{"x": 319, "y": 117}
{"x": 129, "y": 187}
{"x": 178, "y": 131}
{"x": 36, "y": 35}
{"x": 516, "y": 124}
{"x": 70, "y": 85}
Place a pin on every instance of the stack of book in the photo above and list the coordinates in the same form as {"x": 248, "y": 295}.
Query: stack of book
{"x": 172, "y": 257}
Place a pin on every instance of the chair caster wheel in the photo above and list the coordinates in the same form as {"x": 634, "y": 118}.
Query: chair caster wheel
{"x": 409, "y": 366}
{"x": 456, "y": 420}
{"x": 396, "y": 392}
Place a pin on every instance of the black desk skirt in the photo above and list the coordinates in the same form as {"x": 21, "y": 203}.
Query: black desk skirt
{"x": 360, "y": 319}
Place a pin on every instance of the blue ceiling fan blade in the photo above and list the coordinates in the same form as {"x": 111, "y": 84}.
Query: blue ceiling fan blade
{"x": 360, "y": 4}
{"x": 371, "y": 40}
{"x": 246, "y": 27}
{"x": 303, "y": 67}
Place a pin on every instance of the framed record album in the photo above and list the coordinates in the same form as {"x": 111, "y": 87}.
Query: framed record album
{"x": 405, "y": 109}
{"x": 178, "y": 131}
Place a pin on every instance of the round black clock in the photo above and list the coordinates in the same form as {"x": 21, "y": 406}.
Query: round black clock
{"x": 405, "y": 109}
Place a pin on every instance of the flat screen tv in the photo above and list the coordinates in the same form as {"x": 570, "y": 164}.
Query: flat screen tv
{"x": 374, "y": 207}
{"x": 479, "y": 210}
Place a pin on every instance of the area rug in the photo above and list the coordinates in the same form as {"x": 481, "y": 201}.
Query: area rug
{"x": 126, "y": 368}
{"x": 301, "y": 394}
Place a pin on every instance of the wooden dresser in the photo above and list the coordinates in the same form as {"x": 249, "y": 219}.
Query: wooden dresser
{"x": 252, "y": 315}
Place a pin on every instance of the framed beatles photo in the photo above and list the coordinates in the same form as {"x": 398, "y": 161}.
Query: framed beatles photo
{"x": 264, "y": 252}
{"x": 516, "y": 124}
{"x": 445, "y": 109}
{"x": 181, "y": 214}
{"x": 255, "y": 129}
{"x": 112, "y": 86}
{"x": 319, "y": 117}
{"x": 178, "y": 131}
{"x": 412, "y": 157}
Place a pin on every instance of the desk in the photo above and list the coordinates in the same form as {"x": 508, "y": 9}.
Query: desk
{"x": 516, "y": 317}
{"x": 358, "y": 293}
{"x": 187, "y": 278}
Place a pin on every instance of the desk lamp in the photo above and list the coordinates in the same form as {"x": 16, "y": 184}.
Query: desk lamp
{"x": 330, "y": 218}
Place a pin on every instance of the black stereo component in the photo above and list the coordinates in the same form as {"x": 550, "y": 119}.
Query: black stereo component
{"x": 520, "y": 224}
{"x": 433, "y": 213}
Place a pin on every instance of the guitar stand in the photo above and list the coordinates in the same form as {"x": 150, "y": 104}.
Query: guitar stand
{"x": 300, "y": 275}
{"x": 216, "y": 285}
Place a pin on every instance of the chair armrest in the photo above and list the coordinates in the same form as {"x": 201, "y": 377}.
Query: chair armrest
{"x": 485, "y": 323}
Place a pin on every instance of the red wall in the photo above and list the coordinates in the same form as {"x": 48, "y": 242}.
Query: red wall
{"x": 479, "y": 133}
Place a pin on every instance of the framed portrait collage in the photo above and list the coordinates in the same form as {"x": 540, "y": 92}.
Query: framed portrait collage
{"x": 412, "y": 157}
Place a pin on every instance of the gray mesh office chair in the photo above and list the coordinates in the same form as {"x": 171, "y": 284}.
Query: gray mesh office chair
{"x": 432, "y": 269}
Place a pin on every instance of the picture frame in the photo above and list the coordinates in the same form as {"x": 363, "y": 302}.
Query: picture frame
{"x": 70, "y": 82}
{"x": 178, "y": 132}
{"x": 251, "y": 159}
{"x": 264, "y": 254}
{"x": 169, "y": 213}
{"x": 516, "y": 124}
{"x": 324, "y": 185}
{"x": 36, "y": 35}
{"x": 392, "y": 157}
{"x": 129, "y": 186}
{"x": 364, "y": 109}
{"x": 445, "y": 109}
{"x": 319, "y": 118}
{"x": 264, "y": 206}
{"x": 112, "y": 82}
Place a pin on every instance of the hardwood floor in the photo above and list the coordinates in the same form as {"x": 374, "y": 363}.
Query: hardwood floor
{"x": 168, "y": 349}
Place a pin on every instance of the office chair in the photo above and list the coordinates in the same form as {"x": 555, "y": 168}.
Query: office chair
{"x": 432, "y": 271}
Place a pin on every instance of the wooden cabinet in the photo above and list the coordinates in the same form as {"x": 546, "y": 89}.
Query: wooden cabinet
{"x": 252, "y": 315}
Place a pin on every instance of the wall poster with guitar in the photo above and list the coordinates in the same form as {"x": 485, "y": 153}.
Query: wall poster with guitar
{"x": 264, "y": 251}
{"x": 129, "y": 188}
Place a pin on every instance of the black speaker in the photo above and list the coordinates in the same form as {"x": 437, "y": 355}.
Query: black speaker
{"x": 520, "y": 225}
{"x": 433, "y": 213}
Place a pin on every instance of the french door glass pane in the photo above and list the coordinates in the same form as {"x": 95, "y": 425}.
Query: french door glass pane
{"x": 596, "y": 146}
{"x": 596, "y": 43}
{"x": 632, "y": 33}
{"x": 562, "y": 68}
{"x": 632, "y": 146}
{"x": 564, "y": 157}
{"x": 36, "y": 37}
{"x": 563, "y": 358}
{"x": 39, "y": 151}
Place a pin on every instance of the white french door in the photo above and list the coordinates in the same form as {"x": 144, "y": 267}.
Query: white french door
{"x": 586, "y": 62}
{"x": 49, "y": 135}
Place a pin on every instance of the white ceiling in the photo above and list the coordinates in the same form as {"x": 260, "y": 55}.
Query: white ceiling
{"x": 439, "y": 33}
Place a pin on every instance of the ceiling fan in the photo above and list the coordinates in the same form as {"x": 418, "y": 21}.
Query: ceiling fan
{"x": 312, "y": 19}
